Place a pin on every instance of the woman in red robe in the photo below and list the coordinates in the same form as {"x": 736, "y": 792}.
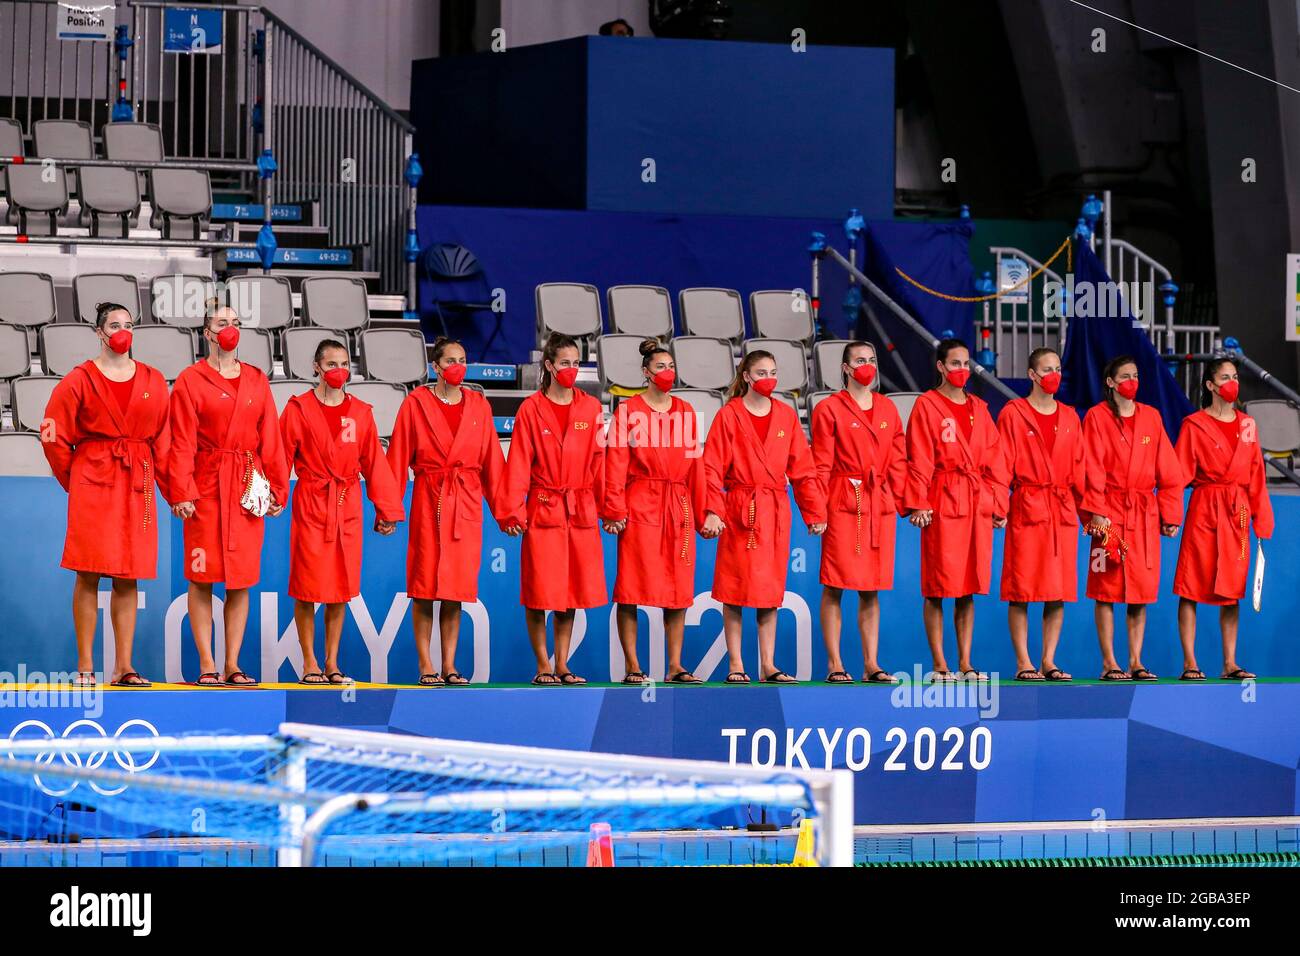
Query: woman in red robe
{"x": 755, "y": 449}
{"x": 861, "y": 458}
{"x": 1135, "y": 495}
{"x": 1042, "y": 446}
{"x": 552, "y": 495}
{"x": 654, "y": 502}
{"x": 104, "y": 434}
{"x": 330, "y": 441}
{"x": 1219, "y": 450}
{"x": 956, "y": 494}
{"x": 445, "y": 434}
{"x": 224, "y": 432}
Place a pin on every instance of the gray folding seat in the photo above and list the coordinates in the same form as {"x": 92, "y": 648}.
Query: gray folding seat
{"x": 385, "y": 398}
{"x": 27, "y": 299}
{"x": 618, "y": 360}
{"x": 828, "y": 356}
{"x": 181, "y": 300}
{"x": 92, "y": 288}
{"x": 815, "y": 399}
{"x": 15, "y": 357}
{"x": 31, "y": 396}
{"x": 644, "y": 310}
{"x": 1277, "y": 423}
{"x": 63, "y": 139}
{"x": 21, "y": 456}
{"x": 133, "y": 142}
{"x": 570, "y": 308}
{"x": 298, "y": 346}
{"x": 330, "y": 302}
{"x": 283, "y": 389}
{"x": 706, "y": 405}
{"x": 791, "y": 362}
{"x": 781, "y": 314}
{"x": 65, "y": 345}
{"x": 256, "y": 347}
{"x": 11, "y": 138}
{"x": 904, "y": 401}
{"x": 703, "y": 362}
{"x": 717, "y": 313}
{"x": 35, "y": 204}
{"x": 181, "y": 200}
{"x": 262, "y": 302}
{"x": 394, "y": 355}
{"x": 168, "y": 349}
{"x": 110, "y": 201}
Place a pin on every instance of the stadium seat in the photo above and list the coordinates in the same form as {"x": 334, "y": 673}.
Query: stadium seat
{"x": 15, "y": 353}
{"x": 706, "y": 405}
{"x": 336, "y": 304}
{"x": 570, "y": 308}
{"x": 92, "y": 288}
{"x": 262, "y": 302}
{"x": 781, "y": 314}
{"x": 110, "y": 201}
{"x": 63, "y": 139}
{"x": 716, "y": 313}
{"x": 385, "y": 398}
{"x": 11, "y": 138}
{"x": 65, "y": 345}
{"x": 828, "y": 356}
{"x": 703, "y": 362}
{"x": 791, "y": 362}
{"x": 815, "y": 399}
{"x": 133, "y": 142}
{"x": 257, "y": 347}
{"x": 27, "y": 299}
{"x": 457, "y": 287}
{"x": 298, "y": 346}
{"x": 181, "y": 300}
{"x": 168, "y": 349}
{"x": 618, "y": 360}
{"x": 904, "y": 402}
{"x": 34, "y": 204}
{"x": 31, "y": 395}
{"x": 21, "y": 456}
{"x": 284, "y": 389}
{"x": 182, "y": 202}
{"x": 643, "y": 310}
{"x": 1278, "y": 425}
{"x": 394, "y": 355}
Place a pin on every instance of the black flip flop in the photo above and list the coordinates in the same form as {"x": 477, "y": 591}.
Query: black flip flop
{"x": 974, "y": 675}
{"x": 432, "y": 680}
{"x": 684, "y": 677}
{"x": 881, "y": 677}
{"x": 635, "y": 678}
{"x": 343, "y": 679}
{"x": 1063, "y": 677}
{"x": 1115, "y": 674}
{"x": 1141, "y": 673}
{"x": 546, "y": 680}
{"x": 455, "y": 679}
{"x": 779, "y": 677}
{"x": 1238, "y": 675}
{"x": 231, "y": 682}
{"x": 305, "y": 679}
{"x": 942, "y": 677}
{"x": 204, "y": 682}
{"x": 570, "y": 679}
{"x": 1192, "y": 674}
{"x": 839, "y": 677}
{"x": 737, "y": 677}
{"x": 126, "y": 681}
{"x": 1030, "y": 676}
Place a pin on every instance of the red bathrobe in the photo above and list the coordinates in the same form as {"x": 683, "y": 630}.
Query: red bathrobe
{"x": 109, "y": 464}
{"x": 964, "y": 483}
{"x": 453, "y": 476}
{"x": 861, "y": 461}
{"x": 218, "y": 428}
{"x": 1041, "y": 550}
{"x": 1137, "y": 484}
{"x": 747, "y": 481}
{"x": 654, "y": 480}
{"x": 1228, "y": 493}
{"x": 326, "y": 528}
{"x": 554, "y": 484}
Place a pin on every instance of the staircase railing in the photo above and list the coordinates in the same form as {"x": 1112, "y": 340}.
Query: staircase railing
{"x": 1022, "y": 319}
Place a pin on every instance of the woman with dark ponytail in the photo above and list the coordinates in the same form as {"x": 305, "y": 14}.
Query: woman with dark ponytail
{"x": 756, "y": 448}
{"x": 552, "y": 493}
{"x": 1134, "y": 495}
{"x": 654, "y": 499}
{"x": 1220, "y": 454}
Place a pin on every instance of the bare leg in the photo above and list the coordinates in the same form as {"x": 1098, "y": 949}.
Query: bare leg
{"x": 563, "y": 637}
{"x": 675, "y": 637}
{"x": 199, "y": 602}
{"x": 627, "y": 622}
{"x": 1053, "y": 619}
{"x": 85, "y": 618}
{"x": 1229, "y": 615}
{"x": 536, "y": 621}
{"x": 334, "y": 616}
{"x": 448, "y": 635}
{"x": 731, "y": 623}
{"x": 1018, "y": 624}
{"x": 932, "y": 614}
{"x": 304, "y": 618}
{"x": 1103, "y": 615}
{"x": 963, "y": 620}
{"x": 832, "y": 618}
{"x": 422, "y": 625}
{"x": 1187, "y": 632}
{"x": 869, "y": 629}
{"x": 767, "y": 641}
{"x": 1136, "y": 618}
{"x": 236, "y": 621}
{"x": 122, "y": 608}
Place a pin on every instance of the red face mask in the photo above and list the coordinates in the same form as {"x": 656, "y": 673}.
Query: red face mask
{"x": 120, "y": 341}
{"x": 664, "y": 380}
{"x": 958, "y": 377}
{"x": 566, "y": 376}
{"x": 336, "y": 377}
{"x": 864, "y": 374}
{"x": 765, "y": 386}
{"x": 1050, "y": 382}
{"x": 228, "y": 338}
{"x": 1128, "y": 388}
{"x": 453, "y": 374}
{"x": 1228, "y": 391}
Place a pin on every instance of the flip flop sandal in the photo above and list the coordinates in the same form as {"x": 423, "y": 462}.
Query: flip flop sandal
{"x": 343, "y": 679}
{"x": 974, "y": 675}
{"x": 1030, "y": 676}
{"x": 737, "y": 677}
{"x": 1141, "y": 673}
{"x": 684, "y": 677}
{"x": 779, "y": 677}
{"x": 546, "y": 680}
{"x": 1115, "y": 674}
{"x": 432, "y": 680}
{"x": 455, "y": 679}
{"x": 233, "y": 680}
{"x": 131, "y": 679}
{"x": 85, "y": 679}
{"x": 881, "y": 677}
{"x": 307, "y": 679}
{"x": 635, "y": 678}
{"x": 570, "y": 679}
{"x": 1192, "y": 674}
{"x": 1058, "y": 676}
{"x": 1239, "y": 674}
{"x": 942, "y": 677}
{"x": 839, "y": 677}
{"x": 212, "y": 679}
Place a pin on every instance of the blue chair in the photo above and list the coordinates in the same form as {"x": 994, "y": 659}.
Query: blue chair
{"x": 459, "y": 287}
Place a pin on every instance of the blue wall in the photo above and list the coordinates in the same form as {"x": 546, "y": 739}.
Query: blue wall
{"x": 36, "y": 594}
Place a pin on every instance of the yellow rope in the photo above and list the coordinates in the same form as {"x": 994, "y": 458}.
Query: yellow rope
{"x": 1065, "y": 247}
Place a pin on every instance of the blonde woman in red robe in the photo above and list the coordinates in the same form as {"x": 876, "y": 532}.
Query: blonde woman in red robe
{"x": 861, "y": 458}
{"x": 445, "y": 434}
{"x": 755, "y": 450}
{"x": 1135, "y": 495}
{"x": 552, "y": 495}
{"x": 956, "y": 494}
{"x": 104, "y": 435}
{"x": 654, "y": 502}
{"x": 1042, "y": 445}
{"x": 330, "y": 441}
{"x": 1219, "y": 450}
{"x": 223, "y": 429}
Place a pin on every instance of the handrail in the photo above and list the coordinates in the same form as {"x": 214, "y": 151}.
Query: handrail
{"x": 1141, "y": 257}
{"x": 215, "y": 166}
{"x": 383, "y": 107}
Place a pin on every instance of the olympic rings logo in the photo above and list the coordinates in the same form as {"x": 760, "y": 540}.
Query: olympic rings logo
{"x": 125, "y": 759}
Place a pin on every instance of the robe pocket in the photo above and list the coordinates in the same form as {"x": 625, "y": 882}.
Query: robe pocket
{"x": 844, "y": 498}
{"x": 948, "y": 504}
{"x": 738, "y": 502}
{"x": 888, "y": 504}
{"x": 644, "y": 503}
{"x": 96, "y": 466}
{"x": 545, "y": 510}
{"x": 584, "y": 510}
{"x": 1030, "y": 510}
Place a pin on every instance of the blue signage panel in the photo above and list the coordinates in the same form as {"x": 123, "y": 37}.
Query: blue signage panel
{"x": 191, "y": 30}
{"x": 292, "y": 257}
{"x": 252, "y": 212}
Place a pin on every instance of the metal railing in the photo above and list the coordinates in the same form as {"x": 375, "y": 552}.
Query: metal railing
{"x": 1029, "y": 317}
